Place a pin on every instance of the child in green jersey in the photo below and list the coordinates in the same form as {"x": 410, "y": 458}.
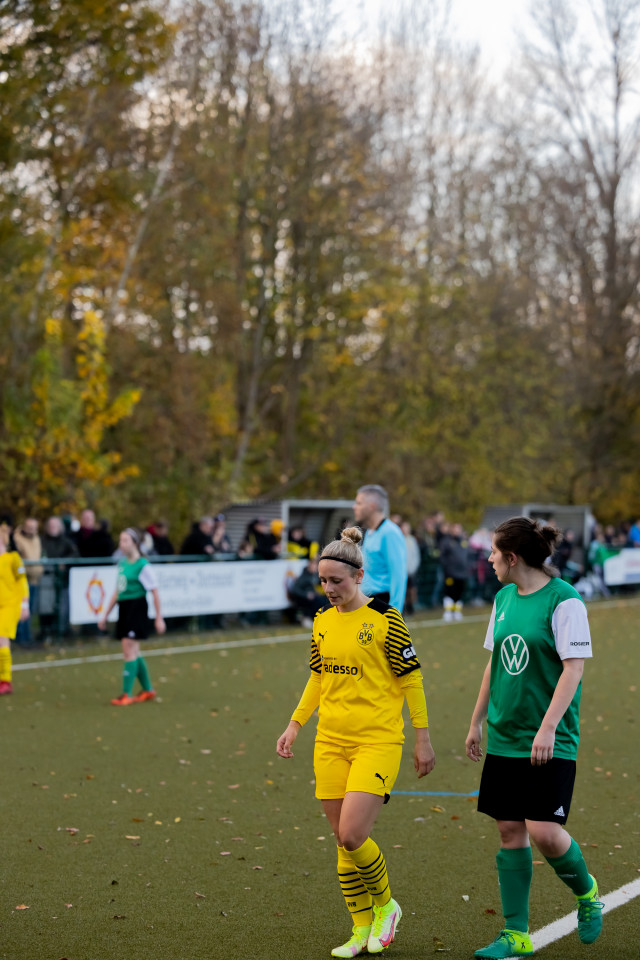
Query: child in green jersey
{"x": 539, "y": 638}
{"x": 135, "y": 578}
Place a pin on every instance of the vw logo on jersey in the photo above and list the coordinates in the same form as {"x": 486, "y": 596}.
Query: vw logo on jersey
{"x": 514, "y": 654}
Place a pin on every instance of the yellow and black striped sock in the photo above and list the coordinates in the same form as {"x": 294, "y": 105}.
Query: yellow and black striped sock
{"x": 5, "y": 664}
{"x": 372, "y": 870}
{"x": 356, "y": 895}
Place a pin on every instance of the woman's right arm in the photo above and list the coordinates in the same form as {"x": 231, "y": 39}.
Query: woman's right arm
{"x": 102, "y": 622}
{"x": 308, "y": 703}
{"x": 474, "y": 737}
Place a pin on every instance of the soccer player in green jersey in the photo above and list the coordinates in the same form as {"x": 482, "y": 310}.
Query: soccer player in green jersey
{"x": 363, "y": 667}
{"x": 539, "y": 638}
{"x": 135, "y": 578}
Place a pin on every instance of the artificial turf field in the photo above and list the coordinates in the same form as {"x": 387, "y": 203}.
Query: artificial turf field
{"x": 172, "y": 831}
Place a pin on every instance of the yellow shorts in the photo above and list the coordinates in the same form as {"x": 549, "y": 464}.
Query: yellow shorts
{"x": 9, "y": 617}
{"x": 365, "y": 768}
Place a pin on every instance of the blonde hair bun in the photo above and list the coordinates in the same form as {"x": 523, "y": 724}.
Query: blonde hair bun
{"x": 352, "y": 535}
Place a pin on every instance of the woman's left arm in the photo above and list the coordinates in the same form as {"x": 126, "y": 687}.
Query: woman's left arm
{"x": 424, "y": 758}
{"x": 544, "y": 740}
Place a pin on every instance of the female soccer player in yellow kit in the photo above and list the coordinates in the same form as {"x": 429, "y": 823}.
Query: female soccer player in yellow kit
{"x": 363, "y": 666}
{"x": 14, "y": 606}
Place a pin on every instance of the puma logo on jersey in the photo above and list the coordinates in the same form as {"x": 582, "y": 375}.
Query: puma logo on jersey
{"x": 384, "y": 779}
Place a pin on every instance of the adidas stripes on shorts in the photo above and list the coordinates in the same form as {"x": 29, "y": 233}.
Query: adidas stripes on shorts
{"x": 511, "y": 788}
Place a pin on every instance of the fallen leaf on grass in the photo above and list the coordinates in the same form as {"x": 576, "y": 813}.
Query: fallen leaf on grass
{"x": 437, "y": 809}
{"x": 256, "y": 868}
{"x": 130, "y": 836}
{"x": 68, "y": 906}
{"x": 491, "y": 911}
{"x": 72, "y": 830}
{"x": 22, "y": 906}
{"x": 137, "y": 819}
{"x": 233, "y": 786}
{"x": 538, "y": 863}
{"x": 206, "y": 752}
{"x": 225, "y": 853}
{"x": 119, "y": 916}
{"x": 465, "y": 897}
{"x": 200, "y": 896}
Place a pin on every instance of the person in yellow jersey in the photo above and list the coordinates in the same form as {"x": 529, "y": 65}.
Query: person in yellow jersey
{"x": 14, "y": 607}
{"x": 363, "y": 667}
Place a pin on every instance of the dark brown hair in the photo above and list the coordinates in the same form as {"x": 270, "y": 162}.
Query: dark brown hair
{"x": 534, "y": 542}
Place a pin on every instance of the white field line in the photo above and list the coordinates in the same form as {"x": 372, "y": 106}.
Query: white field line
{"x": 565, "y": 925}
{"x": 261, "y": 641}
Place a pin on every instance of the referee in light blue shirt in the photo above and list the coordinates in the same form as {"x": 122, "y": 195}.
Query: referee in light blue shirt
{"x": 384, "y": 550}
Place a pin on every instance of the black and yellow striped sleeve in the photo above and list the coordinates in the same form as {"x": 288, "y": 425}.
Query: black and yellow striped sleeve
{"x": 314, "y": 658}
{"x": 398, "y": 645}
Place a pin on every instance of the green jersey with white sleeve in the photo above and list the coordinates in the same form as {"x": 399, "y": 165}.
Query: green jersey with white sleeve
{"x": 135, "y": 577}
{"x": 529, "y": 636}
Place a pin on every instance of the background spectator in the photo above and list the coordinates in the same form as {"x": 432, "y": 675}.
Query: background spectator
{"x": 199, "y": 541}
{"x": 221, "y": 541}
{"x": 413, "y": 565}
{"x": 6, "y": 530}
{"x": 29, "y": 547}
{"x": 299, "y": 545}
{"x": 633, "y": 540}
{"x": 161, "y": 542}
{"x": 306, "y": 594}
{"x": 454, "y": 558}
{"x": 56, "y": 545}
{"x": 92, "y": 539}
{"x": 266, "y": 545}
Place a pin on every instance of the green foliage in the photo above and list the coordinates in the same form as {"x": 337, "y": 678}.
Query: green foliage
{"x": 317, "y": 265}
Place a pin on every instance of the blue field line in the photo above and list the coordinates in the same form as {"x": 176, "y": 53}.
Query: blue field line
{"x": 431, "y": 793}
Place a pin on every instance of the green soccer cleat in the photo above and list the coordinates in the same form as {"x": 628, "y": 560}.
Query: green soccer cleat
{"x": 508, "y": 943}
{"x": 355, "y": 945}
{"x": 383, "y": 928}
{"x": 590, "y": 915}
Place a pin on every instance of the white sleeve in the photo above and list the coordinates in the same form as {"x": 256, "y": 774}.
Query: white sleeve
{"x": 570, "y": 627}
{"x": 147, "y": 577}
{"x": 488, "y": 640}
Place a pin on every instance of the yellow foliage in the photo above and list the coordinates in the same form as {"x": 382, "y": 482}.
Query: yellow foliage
{"x": 59, "y": 442}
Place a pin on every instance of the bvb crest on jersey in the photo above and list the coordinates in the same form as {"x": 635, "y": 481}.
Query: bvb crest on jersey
{"x": 365, "y": 637}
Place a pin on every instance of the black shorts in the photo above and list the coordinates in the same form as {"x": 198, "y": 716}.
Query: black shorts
{"x": 133, "y": 619}
{"x": 511, "y": 788}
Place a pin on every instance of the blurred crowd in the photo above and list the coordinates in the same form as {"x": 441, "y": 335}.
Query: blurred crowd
{"x": 446, "y": 565}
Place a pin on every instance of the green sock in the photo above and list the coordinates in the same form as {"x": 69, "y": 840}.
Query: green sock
{"x": 143, "y": 674}
{"x": 129, "y": 674}
{"x": 515, "y": 870}
{"x": 572, "y": 870}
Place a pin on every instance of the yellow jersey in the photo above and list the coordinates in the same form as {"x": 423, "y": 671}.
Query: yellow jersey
{"x": 13, "y": 581}
{"x": 360, "y": 657}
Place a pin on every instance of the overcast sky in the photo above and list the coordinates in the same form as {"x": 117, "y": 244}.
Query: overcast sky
{"x": 489, "y": 23}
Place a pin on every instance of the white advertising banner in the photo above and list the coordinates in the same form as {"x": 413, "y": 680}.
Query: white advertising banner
{"x": 189, "y": 589}
{"x": 623, "y": 568}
